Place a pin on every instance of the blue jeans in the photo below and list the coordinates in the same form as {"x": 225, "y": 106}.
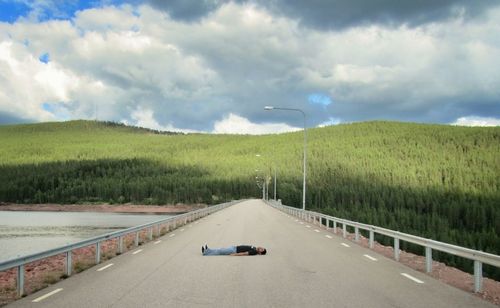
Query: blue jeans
{"x": 220, "y": 251}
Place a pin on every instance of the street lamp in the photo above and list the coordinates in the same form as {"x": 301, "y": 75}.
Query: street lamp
{"x": 305, "y": 148}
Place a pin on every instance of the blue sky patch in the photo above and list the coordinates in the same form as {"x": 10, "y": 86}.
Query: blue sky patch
{"x": 48, "y": 107}
{"x": 319, "y": 99}
{"x": 45, "y": 58}
{"x": 58, "y": 110}
{"x": 11, "y": 10}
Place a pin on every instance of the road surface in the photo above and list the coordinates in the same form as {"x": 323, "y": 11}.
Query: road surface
{"x": 304, "y": 267}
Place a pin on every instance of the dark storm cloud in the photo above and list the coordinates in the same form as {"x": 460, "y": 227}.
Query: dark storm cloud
{"x": 333, "y": 14}
{"x": 188, "y": 10}
{"x": 7, "y": 118}
{"x": 340, "y": 14}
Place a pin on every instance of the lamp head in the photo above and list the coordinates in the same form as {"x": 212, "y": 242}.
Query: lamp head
{"x": 269, "y": 108}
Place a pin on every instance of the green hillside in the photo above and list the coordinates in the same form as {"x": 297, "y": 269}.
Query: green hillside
{"x": 437, "y": 181}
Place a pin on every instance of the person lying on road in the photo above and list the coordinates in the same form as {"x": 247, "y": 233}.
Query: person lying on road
{"x": 241, "y": 250}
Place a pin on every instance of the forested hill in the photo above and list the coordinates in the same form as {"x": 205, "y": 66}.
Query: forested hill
{"x": 437, "y": 181}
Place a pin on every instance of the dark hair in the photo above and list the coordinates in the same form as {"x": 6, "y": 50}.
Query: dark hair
{"x": 264, "y": 252}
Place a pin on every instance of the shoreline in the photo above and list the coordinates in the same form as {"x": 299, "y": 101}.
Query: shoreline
{"x": 103, "y": 208}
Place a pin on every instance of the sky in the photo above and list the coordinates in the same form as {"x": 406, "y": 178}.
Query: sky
{"x": 213, "y": 65}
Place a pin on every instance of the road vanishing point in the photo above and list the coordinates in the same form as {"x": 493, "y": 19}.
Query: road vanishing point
{"x": 305, "y": 267}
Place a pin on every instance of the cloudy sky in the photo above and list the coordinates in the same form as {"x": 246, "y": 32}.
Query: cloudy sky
{"x": 212, "y": 65}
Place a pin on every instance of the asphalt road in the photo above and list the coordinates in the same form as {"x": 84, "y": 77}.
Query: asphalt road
{"x": 304, "y": 267}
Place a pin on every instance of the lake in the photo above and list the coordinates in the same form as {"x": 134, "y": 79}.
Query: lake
{"x": 26, "y": 232}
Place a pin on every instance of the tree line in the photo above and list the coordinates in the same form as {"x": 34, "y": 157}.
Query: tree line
{"x": 436, "y": 181}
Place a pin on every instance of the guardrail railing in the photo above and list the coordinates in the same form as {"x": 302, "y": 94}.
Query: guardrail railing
{"x": 171, "y": 222}
{"x": 479, "y": 257}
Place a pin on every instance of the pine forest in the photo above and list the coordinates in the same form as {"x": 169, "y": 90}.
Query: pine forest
{"x": 437, "y": 181}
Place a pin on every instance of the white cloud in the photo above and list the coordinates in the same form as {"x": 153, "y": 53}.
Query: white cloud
{"x": 145, "y": 118}
{"x": 234, "y": 124}
{"x": 476, "y": 121}
{"x": 139, "y": 65}
{"x": 331, "y": 121}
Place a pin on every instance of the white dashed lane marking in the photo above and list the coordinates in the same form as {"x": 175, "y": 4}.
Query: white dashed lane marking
{"x": 300, "y": 222}
{"x": 182, "y": 229}
{"x": 308, "y": 226}
{"x": 370, "y": 257}
{"x": 137, "y": 251}
{"x": 172, "y": 235}
{"x": 157, "y": 242}
{"x": 41, "y": 298}
{"x": 316, "y": 230}
{"x": 105, "y": 267}
{"x": 328, "y": 236}
{"x": 345, "y": 245}
{"x": 412, "y": 278}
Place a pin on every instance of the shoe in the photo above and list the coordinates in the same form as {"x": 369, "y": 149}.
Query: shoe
{"x": 206, "y": 247}
{"x": 202, "y": 249}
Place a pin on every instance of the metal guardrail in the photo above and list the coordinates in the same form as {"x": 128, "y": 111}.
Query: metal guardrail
{"x": 173, "y": 221}
{"x": 479, "y": 257}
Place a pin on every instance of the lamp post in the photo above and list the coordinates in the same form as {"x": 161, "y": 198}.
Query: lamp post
{"x": 305, "y": 148}
{"x": 275, "y": 183}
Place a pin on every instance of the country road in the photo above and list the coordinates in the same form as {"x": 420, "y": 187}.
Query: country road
{"x": 305, "y": 267}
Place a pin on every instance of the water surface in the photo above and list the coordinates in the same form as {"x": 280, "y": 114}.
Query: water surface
{"x": 25, "y": 232}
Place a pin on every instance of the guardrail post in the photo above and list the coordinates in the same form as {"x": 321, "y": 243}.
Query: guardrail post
{"x": 344, "y": 230}
{"x": 151, "y": 233}
{"x": 158, "y": 230}
{"x": 428, "y": 259}
{"x": 356, "y": 231}
{"x": 98, "y": 253}
{"x": 327, "y": 224}
{"x": 120, "y": 244}
{"x": 69, "y": 262}
{"x": 20, "y": 280}
{"x": 136, "y": 239}
{"x": 396, "y": 249}
{"x": 371, "y": 239}
{"x": 478, "y": 276}
{"x": 335, "y": 227}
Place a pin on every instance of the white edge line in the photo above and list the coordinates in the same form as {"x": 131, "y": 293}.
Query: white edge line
{"x": 412, "y": 278}
{"x": 172, "y": 235}
{"x": 47, "y": 295}
{"x": 105, "y": 267}
{"x": 137, "y": 251}
{"x": 157, "y": 242}
{"x": 328, "y": 236}
{"x": 370, "y": 257}
{"x": 345, "y": 245}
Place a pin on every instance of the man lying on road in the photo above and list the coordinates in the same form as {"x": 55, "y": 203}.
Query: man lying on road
{"x": 241, "y": 250}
